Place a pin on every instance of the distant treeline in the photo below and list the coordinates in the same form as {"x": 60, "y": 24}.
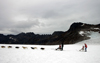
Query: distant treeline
{"x": 28, "y": 38}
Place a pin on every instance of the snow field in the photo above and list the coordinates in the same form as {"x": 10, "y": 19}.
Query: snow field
{"x": 71, "y": 54}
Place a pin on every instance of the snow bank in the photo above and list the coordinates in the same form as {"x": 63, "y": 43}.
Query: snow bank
{"x": 94, "y": 39}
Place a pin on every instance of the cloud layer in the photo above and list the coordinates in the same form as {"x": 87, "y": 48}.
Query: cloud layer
{"x": 46, "y": 16}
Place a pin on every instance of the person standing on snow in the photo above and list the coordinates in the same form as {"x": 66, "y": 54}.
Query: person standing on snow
{"x": 62, "y": 46}
{"x": 85, "y": 47}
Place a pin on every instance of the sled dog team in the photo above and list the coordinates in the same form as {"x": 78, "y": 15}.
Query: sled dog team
{"x": 84, "y": 48}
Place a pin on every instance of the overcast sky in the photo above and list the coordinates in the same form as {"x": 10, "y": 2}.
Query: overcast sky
{"x": 46, "y": 16}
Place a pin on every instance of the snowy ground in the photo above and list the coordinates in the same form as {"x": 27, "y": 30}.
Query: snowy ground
{"x": 71, "y": 53}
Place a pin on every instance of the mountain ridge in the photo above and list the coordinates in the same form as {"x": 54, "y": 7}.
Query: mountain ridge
{"x": 71, "y": 36}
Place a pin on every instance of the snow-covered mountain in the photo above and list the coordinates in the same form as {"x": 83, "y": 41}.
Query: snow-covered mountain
{"x": 78, "y": 32}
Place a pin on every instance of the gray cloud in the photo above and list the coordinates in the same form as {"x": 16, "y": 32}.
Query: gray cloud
{"x": 42, "y": 16}
{"x": 27, "y": 24}
{"x": 21, "y": 26}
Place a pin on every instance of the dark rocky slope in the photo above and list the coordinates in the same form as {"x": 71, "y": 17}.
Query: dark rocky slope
{"x": 69, "y": 37}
